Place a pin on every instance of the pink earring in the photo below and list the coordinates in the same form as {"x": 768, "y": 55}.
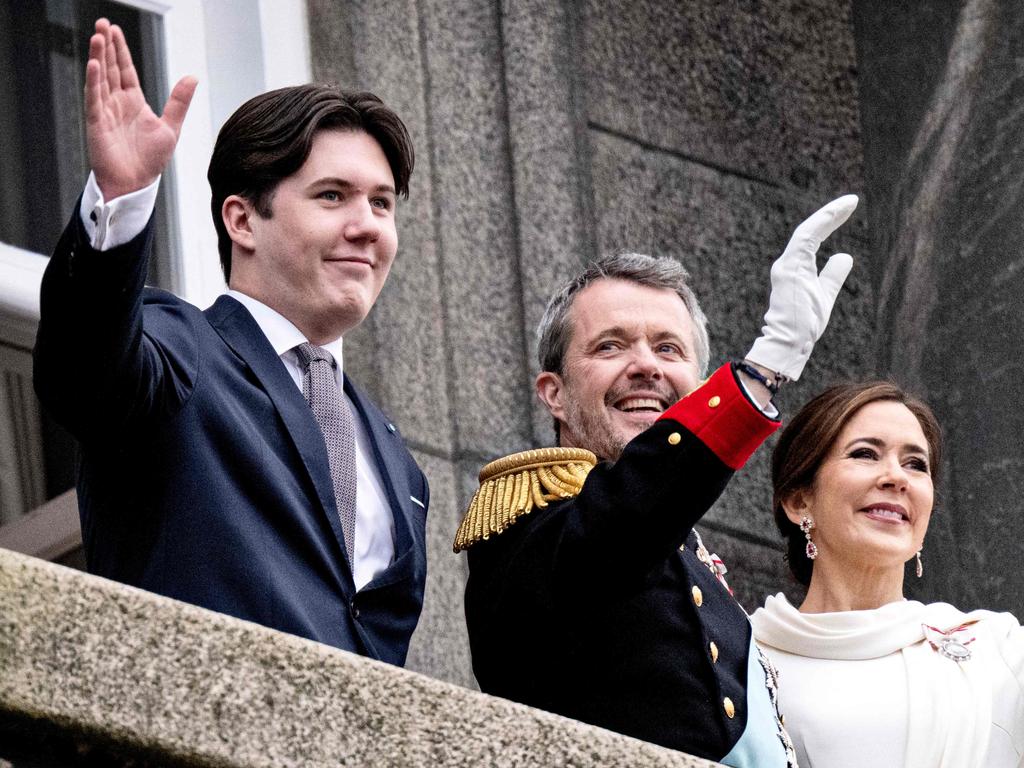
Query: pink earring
{"x": 807, "y": 525}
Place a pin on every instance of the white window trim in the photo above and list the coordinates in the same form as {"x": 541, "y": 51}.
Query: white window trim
{"x": 284, "y": 43}
{"x": 20, "y": 274}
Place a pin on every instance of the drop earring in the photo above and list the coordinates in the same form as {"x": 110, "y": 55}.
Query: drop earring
{"x": 920, "y": 565}
{"x": 807, "y": 525}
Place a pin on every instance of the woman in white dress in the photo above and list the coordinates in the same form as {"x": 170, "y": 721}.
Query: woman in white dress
{"x": 868, "y": 678}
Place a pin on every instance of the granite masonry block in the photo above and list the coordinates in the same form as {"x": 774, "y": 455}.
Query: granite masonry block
{"x": 902, "y": 51}
{"x": 468, "y": 479}
{"x": 727, "y": 231}
{"x": 408, "y": 349}
{"x": 123, "y": 667}
{"x": 746, "y": 503}
{"x": 440, "y": 645}
{"x": 550, "y": 158}
{"x": 942, "y": 123}
{"x": 372, "y": 47}
{"x": 475, "y": 230}
{"x": 764, "y": 90}
{"x": 399, "y": 353}
{"x": 548, "y": 148}
{"x": 332, "y": 47}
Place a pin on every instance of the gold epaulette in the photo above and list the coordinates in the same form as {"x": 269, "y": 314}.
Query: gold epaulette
{"x": 512, "y": 486}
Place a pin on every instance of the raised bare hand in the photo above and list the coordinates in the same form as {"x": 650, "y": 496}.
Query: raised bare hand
{"x": 129, "y": 146}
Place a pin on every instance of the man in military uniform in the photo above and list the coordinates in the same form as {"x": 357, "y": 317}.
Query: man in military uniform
{"x": 590, "y": 593}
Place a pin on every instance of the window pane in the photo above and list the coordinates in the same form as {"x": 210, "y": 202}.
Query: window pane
{"x": 22, "y": 485}
{"x": 44, "y": 45}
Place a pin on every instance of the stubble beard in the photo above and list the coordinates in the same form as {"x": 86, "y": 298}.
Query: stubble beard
{"x": 594, "y": 431}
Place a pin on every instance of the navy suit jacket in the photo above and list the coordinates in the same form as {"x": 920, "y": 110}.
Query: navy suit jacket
{"x": 203, "y": 474}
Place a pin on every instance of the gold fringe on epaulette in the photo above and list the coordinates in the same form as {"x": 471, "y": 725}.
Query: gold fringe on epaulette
{"x": 512, "y": 486}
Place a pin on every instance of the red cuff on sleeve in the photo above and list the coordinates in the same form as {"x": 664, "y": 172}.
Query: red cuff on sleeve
{"x": 721, "y": 416}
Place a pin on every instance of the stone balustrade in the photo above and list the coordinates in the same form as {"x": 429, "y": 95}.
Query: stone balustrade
{"x": 96, "y": 673}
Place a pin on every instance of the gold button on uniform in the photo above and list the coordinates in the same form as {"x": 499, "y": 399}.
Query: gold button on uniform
{"x": 730, "y": 709}
{"x": 714, "y": 402}
{"x": 674, "y": 438}
{"x": 698, "y": 596}
{"x": 714, "y": 652}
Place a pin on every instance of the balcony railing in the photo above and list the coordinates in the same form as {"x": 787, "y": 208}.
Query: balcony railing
{"x": 96, "y": 673}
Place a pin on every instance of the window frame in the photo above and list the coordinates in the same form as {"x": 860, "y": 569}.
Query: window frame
{"x": 285, "y": 61}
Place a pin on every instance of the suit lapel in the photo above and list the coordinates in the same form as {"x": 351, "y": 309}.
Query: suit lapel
{"x": 389, "y": 455}
{"x": 240, "y": 331}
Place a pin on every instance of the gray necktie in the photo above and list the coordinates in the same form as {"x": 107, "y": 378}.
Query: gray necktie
{"x": 335, "y": 419}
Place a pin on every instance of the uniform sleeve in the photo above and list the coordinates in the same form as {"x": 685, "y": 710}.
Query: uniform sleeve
{"x": 723, "y": 417}
{"x": 614, "y": 537}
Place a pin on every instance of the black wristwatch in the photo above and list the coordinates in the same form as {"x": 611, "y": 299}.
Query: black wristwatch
{"x": 756, "y": 375}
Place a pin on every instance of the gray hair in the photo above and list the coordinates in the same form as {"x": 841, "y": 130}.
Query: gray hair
{"x": 554, "y": 331}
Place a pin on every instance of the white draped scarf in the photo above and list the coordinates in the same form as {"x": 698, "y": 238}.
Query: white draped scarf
{"x": 950, "y": 722}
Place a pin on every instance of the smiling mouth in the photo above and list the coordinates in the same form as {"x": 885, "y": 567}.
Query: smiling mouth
{"x": 640, "y": 405}
{"x": 887, "y": 513}
{"x": 350, "y": 260}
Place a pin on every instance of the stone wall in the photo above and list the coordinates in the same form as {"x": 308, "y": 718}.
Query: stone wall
{"x": 548, "y": 133}
{"x": 941, "y": 94}
{"x": 93, "y": 673}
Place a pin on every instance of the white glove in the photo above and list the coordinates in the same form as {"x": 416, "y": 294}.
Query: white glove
{"x": 801, "y": 299}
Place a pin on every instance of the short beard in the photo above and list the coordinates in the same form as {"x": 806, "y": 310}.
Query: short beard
{"x": 592, "y": 431}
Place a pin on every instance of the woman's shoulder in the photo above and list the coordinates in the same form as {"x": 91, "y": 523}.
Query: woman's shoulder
{"x": 1000, "y": 632}
{"x": 940, "y": 614}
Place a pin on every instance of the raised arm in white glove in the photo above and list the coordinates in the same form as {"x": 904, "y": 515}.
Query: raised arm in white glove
{"x": 802, "y": 299}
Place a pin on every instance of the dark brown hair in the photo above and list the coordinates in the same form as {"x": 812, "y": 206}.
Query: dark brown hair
{"x": 809, "y": 438}
{"x": 269, "y": 138}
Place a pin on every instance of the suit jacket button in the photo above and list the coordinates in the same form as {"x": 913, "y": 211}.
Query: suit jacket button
{"x": 354, "y": 610}
{"x": 714, "y": 402}
{"x": 698, "y": 596}
{"x": 714, "y": 652}
{"x": 729, "y": 707}
{"x": 674, "y": 438}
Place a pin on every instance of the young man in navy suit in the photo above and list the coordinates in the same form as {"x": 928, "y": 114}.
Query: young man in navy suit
{"x": 205, "y": 475}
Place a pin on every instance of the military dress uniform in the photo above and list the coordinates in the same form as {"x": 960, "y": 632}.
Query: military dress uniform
{"x": 591, "y": 596}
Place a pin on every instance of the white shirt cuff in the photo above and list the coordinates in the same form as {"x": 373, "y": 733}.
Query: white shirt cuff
{"x": 109, "y": 225}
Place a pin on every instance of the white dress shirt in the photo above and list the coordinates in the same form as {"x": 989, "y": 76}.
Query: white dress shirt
{"x": 109, "y": 225}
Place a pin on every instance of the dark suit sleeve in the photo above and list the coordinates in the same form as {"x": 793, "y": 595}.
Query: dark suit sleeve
{"x": 631, "y": 515}
{"x": 98, "y": 367}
